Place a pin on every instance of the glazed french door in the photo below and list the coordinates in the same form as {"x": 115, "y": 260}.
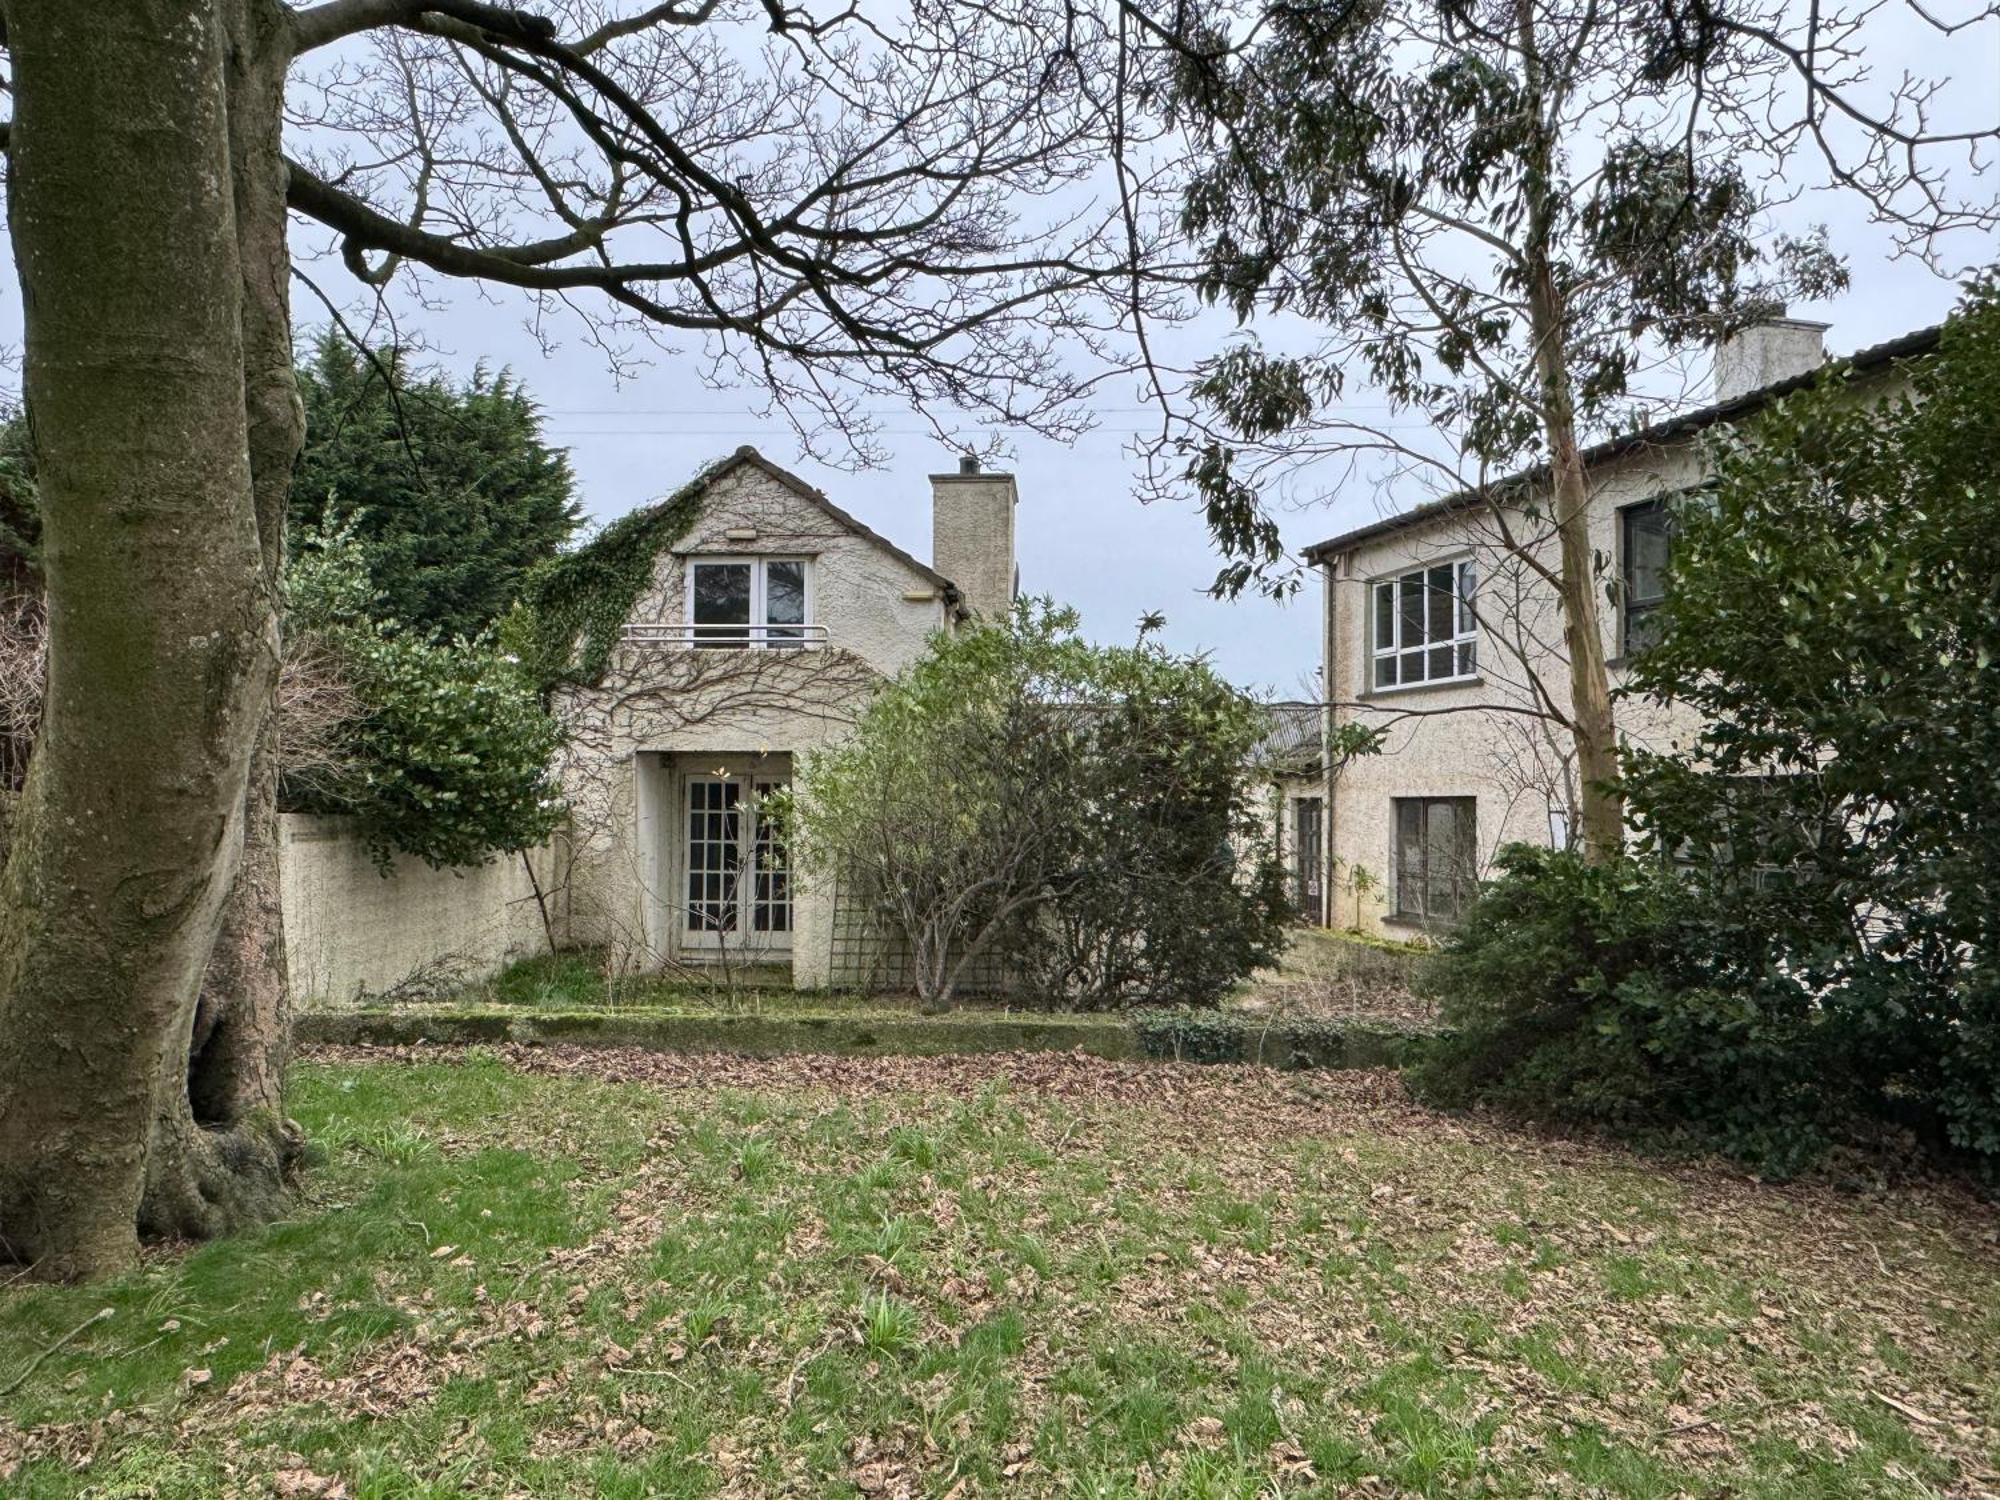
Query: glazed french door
{"x": 736, "y": 876}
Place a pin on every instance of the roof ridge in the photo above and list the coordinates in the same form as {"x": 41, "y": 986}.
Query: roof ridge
{"x": 1917, "y": 341}
{"x": 748, "y": 454}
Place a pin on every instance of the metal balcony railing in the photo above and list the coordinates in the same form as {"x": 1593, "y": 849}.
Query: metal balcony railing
{"x": 728, "y": 637}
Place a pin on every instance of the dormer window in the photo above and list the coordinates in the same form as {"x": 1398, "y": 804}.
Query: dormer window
{"x": 736, "y": 603}
{"x": 1423, "y": 626}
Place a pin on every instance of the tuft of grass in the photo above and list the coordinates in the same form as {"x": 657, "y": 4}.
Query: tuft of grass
{"x": 397, "y": 1144}
{"x": 915, "y": 1145}
{"x": 756, "y": 1159}
{"x": 889, "y": 1325}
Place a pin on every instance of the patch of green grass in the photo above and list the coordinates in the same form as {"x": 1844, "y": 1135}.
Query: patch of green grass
{"x": 565, "y": 1286}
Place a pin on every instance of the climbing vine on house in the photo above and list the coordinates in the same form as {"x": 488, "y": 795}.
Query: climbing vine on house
{"x": 571, "y": 608}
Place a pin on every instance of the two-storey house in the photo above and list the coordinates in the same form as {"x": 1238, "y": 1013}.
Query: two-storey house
{"x": 764, "y": 626}
{"x": 1441, "y": 627}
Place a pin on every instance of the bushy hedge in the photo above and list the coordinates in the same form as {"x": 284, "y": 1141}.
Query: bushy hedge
{"x": 1807, "y": 941}
{"x": 1619, "y": 996}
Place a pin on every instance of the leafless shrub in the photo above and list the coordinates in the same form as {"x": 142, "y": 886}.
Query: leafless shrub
{"x": 24, "y": 633}
{"x": 317, "y": 706}
{"x": 316, "y": 702}
{"x": 435, "y": 979}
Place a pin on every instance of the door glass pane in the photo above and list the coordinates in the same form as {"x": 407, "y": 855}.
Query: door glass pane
{"x": 1307, "y": 834}
{"x": 1440, "y": 850}
{"x": 1465, "y": 862}
{"x": 1409, "y": 857}
{"x": 784, "y": 601}
{"x": 713, "y": 854}
{"x": 721, "y": 599}
{"x": 771, "y": 906}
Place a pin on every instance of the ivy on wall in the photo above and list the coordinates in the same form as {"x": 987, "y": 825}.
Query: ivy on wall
{"x": 571, "y": 608}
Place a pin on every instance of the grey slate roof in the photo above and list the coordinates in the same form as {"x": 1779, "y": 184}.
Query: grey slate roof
{"x": 1290, "y": 745}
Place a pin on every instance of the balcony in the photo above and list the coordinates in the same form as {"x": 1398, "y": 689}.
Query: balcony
{"x": 727, "y": 637}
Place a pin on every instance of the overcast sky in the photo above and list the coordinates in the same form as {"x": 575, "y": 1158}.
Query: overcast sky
{"x": 1082, "y": 537}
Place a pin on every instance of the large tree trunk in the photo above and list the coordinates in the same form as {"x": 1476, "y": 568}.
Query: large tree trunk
{"x": 135, "y": 140}
{"x": 221, "y": 1147}
{"x": 1601, "y": 805}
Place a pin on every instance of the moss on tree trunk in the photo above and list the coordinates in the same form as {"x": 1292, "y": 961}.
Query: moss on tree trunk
{"x": 146, "y": 209}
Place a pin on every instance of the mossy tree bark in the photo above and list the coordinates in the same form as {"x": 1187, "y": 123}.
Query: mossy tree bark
{"x": 146, "y": 211}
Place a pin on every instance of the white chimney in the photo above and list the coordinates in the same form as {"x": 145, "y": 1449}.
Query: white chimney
{"x": 1766, "y": 353}
{"x": 972, "y": 535}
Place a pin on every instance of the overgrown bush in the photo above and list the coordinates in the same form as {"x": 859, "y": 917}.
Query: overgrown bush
{"x": 1075, "y": 816}
{"x": 1806, "y": 944}
{"x": 450, "y": 756}
{"x": 1833, "y": 617}
{"x": 1616, "y": 995}
{"x": 1170, "y": 895}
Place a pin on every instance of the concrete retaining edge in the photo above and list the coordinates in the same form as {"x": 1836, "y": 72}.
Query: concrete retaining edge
{"x": 1274, "y": 1044}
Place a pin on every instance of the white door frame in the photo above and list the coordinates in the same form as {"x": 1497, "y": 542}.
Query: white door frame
{"x": 724, "y": 899}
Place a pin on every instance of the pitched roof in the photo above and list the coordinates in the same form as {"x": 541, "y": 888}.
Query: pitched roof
{"x": 1919, "y": 341}
{"x": 747, "y": 455}
{"x": 1290, "y": 741}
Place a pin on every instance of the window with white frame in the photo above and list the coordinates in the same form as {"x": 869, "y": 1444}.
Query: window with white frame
{"x": 738, "y": 602}
{"x": 1424, "y": 628}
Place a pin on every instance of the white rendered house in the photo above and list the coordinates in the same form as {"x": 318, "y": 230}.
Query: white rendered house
{"x": 763, "y": 628}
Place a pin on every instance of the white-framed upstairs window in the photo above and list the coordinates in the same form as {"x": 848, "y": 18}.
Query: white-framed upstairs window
{"x": 1423, "y": 627}
{"x": 734, "y": 603}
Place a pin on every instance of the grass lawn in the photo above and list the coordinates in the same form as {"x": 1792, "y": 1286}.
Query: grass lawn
{"x": 557, "y": 1272}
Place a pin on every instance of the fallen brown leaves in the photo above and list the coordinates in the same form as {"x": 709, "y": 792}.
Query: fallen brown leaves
{"x": 1324, "y": 1221}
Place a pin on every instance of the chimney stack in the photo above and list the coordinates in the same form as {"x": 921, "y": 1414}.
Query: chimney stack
{"x": 1766, "y": 353}
{"x": 972, "y": 535}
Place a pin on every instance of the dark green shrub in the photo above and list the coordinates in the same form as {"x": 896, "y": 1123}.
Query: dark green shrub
{"x": 1833, "y": 621}
{"x": 1222, "y": 1036}
{"x": 450, "y": 754}
{"x": 1618, "y": 996}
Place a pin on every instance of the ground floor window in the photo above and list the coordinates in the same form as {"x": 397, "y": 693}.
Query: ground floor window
{"x": 1436, "y": 857}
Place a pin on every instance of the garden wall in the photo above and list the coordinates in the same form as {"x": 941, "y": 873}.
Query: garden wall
{"x": 352, "y": 932}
